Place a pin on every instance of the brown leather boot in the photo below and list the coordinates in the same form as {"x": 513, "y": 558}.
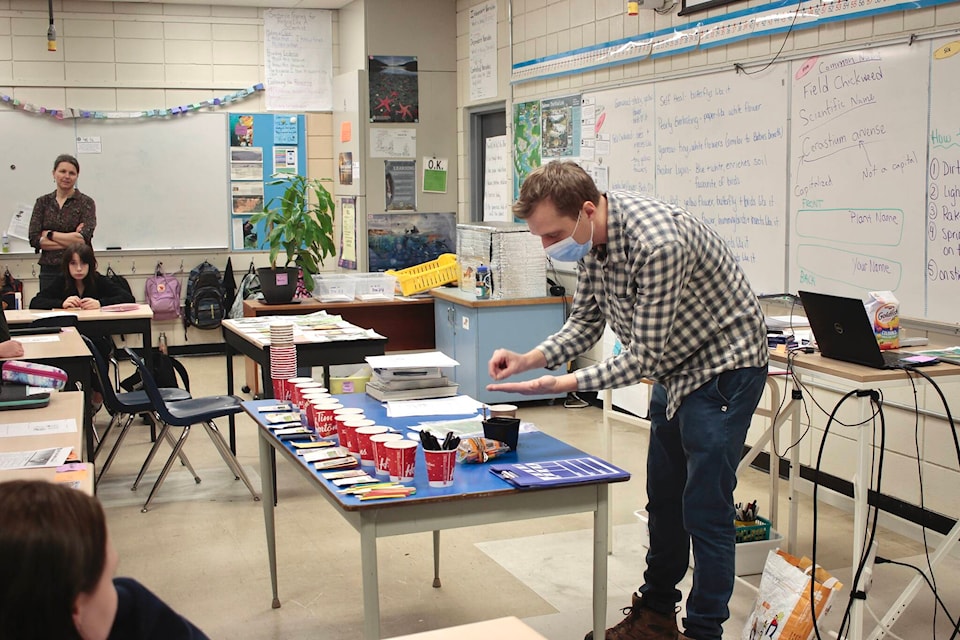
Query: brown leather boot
{"x": 642, "y": 623}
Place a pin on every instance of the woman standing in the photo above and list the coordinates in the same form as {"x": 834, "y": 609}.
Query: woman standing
{"x": 77, "y": 285}
{"x": 60, "y": 219}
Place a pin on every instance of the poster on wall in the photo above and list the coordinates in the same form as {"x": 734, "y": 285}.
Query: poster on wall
{"x": 245, "y": 234}
{"x": 241, "y": 130}
{"x": 560, "y": 127}
{"x": 526, "y": 142}
{"x": 348, "y": 233}
{"x": 345, "y": 164}
{"x": 496, "y": 184}
{"x": 394, "y": 93}
{"x": 401, "y": 240}
{"x": 247, "y": 197}
{"x": 400, "y": 185}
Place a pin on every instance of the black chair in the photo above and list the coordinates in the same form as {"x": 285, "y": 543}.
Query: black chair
{"x": 187, "y": 413}
{"x": 124, "y": 406}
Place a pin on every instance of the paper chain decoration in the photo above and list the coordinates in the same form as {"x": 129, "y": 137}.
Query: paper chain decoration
{"x": 61, "y": 114}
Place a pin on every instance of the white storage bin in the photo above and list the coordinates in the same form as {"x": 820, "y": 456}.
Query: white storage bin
{"x": 335, "y": 287}
{"x": 375, "y": 286}
{"x": 751, "y": 556}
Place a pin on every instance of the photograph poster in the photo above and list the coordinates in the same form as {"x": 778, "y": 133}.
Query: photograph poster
{"x": 394, "y": 92}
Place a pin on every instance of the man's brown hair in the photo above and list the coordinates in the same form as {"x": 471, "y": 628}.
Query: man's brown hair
{"x": 564, "y": 183}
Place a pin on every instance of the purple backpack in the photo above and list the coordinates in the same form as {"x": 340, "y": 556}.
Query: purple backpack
{"x": 163, "y": 295}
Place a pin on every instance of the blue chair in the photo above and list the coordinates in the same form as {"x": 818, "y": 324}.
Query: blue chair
{"x": 186, "y": 413}
{"x": 124, "y": 406}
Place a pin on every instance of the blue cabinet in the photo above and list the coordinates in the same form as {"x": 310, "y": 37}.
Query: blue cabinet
{"x": 470, "y": 330}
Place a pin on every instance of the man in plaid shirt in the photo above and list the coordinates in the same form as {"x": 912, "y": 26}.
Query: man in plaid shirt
{"x": 672, "y": 292}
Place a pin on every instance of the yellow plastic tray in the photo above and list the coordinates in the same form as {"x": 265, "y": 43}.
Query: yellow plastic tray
{"x": 426, "y": 276}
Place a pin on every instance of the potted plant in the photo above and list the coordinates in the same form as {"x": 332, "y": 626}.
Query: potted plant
{"x": 300, "y": 223}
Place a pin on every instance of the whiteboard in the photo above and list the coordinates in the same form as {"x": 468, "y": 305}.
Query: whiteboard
{"x": 858, "y": 172}
{"x": 714, "y": 144}
{"x": 943, "y": 190}
{"x": 158, "y": 184}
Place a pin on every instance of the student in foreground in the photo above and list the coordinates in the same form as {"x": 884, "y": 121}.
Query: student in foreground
{"x": 8, "y": 348}
{"x": 80, "y": 285}
{"x": 56, "y": 573}
{"x": 672, "y": 292}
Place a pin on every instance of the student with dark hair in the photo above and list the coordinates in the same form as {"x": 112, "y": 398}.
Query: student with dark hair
{"x": 61, "y": 218}
{"x": 8, "y": 348}
{"x": 56, "y": 573}
{"x": 79, "y": 285}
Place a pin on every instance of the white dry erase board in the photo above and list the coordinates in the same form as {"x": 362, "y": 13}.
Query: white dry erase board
{"x": 838, "y": 173}
{"x": 158, "y": 183}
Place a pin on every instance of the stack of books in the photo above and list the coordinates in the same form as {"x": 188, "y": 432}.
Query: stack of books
{"x": 410, "y": 383}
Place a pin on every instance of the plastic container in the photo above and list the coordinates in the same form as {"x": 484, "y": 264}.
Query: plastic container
{"x": 335, "y": 287}
{"x": 375, "y": 286}
{"x": 426, "y": 276}
{"x": 753, "y": 531}
{"x": 751, "y": 556}
{"x": 353, "y": 382}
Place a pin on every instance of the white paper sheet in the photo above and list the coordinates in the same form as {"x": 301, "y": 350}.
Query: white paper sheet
{"x": 34, "y": 459}
{"x": 39, "y": 427}
{"x": 412, "y": 360}
{"x": 456, "y": 405}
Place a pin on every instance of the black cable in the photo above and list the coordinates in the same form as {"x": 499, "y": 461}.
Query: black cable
{"x": 877, "y": 401}
{"x": 939, "y": 600}
{"x": 786, "y": 37}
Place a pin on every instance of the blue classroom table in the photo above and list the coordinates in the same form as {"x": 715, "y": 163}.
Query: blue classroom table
{"x": 477, "y": 497}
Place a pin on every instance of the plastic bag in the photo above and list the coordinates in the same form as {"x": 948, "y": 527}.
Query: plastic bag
{"x": 480, "y": 449}
{"x": 782, "y": 610}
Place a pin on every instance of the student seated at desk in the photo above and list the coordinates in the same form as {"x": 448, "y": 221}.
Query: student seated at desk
{"x": 81, "y": 286}
{"x": 56, "y": 573}
{"x": 8, "y": 348}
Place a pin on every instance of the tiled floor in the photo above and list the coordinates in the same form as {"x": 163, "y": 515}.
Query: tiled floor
{"x": 202, "y": 548}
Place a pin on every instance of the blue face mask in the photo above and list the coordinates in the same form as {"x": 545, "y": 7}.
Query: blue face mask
{"x": 568, "y": 249}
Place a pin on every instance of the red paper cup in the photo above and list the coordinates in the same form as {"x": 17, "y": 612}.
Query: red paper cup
{"x": 281, "y": 389}
{"x": 378, "y": 442}
{"x": 339, "y": 419}
{"x": 440, "y": 466}
{"x": 348, "y": 431}
{"x": 401, "y": 459}
{"x": 323, "y": 417}
{"x": 310, "y": 396}
{"x": 365, "y": 447}
{"x": 296, "y": 386}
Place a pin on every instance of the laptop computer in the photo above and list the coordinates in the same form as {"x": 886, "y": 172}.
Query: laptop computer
{"x": 843, "y": 332}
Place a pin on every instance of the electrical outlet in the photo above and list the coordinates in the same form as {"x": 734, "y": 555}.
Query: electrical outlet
{"x": 866, "y": 576}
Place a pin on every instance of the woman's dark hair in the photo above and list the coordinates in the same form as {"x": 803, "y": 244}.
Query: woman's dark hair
{"x": 85, "y": 253}
{"x": 52, "y": 548}
{"x": 66, "y": 157}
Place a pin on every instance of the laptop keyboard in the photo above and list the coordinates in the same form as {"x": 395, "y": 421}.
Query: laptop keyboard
{"x": 892, "y": 359}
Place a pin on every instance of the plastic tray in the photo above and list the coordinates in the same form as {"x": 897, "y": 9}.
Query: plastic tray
{"x": 426, "y": 276}
{"x": 753, "y": 531}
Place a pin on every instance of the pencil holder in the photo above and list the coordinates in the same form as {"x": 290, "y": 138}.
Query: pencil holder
{"x": 506, "y": 430}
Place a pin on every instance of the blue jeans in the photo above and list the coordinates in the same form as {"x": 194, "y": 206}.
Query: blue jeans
{"x": 691, "y": 475}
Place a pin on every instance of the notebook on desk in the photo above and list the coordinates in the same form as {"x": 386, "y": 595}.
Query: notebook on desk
{"x": 843, "y": 332}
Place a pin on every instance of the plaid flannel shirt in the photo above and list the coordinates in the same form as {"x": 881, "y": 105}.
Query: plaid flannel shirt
{"x": 672, "y": 292}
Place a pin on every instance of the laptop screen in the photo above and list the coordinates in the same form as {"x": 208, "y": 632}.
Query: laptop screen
{"x": 842, "y": 329}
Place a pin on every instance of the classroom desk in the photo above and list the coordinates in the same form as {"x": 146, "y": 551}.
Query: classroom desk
{"x": 844, "y": 375}
{"x": 63, "y": 406}
{"x": 511, "y": 628}
{"x": 477, "y": 497}
{"x": 407, "y": 324}
{"x": 309, "y": 354}
{"x": 96, "y": 323}
{"x": 68, "y": 352}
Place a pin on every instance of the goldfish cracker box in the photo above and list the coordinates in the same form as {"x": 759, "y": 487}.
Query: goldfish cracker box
{"x": 883, "y": 310}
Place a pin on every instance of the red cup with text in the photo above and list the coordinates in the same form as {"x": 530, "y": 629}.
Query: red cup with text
{"x": 300, "y": 387}
{"x": 440, "y": 466}
{"x": 323, "y": 414}
{"x": 292, "y": 388}
{"x": 348, "y": 431}
{"x": 378, "y": 443}
{"x": 364, "y": 445}
{"x": 401, "y": 459}
{"x": 281, "y": 389}
{"x": 309, "y": 396}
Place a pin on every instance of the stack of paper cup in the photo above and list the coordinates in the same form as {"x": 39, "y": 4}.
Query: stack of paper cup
{"x": 283, "y": 359}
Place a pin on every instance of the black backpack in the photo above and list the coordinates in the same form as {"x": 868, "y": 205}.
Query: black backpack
{"x": 204, "y": 305}
{"x": 118, "y": 280}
